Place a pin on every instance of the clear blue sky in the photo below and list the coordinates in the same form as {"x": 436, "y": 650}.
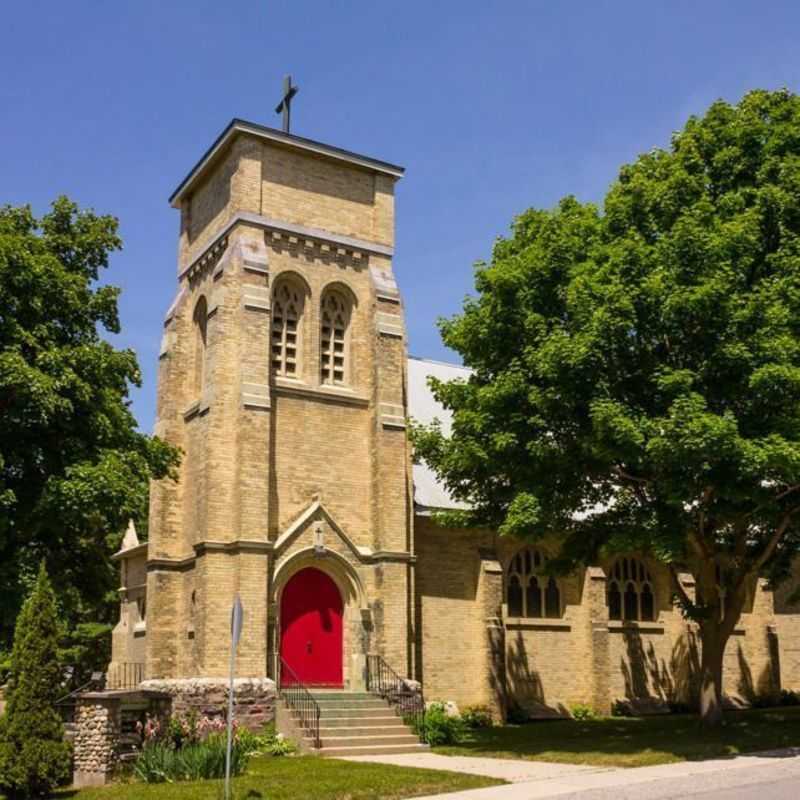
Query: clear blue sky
{"x": 493, "y": 107}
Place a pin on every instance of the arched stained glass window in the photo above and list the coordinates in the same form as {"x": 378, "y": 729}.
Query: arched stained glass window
{"x": 630, "y": 591}
{"x": 514, "y": 597}
{"x": 529, "y": 591}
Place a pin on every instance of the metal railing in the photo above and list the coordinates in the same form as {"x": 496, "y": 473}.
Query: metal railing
{"x": 124, "y": 676}
{"x": 407, "y": 701}
{"x": 65, "y": 706}
{"x": 300, "y": 700}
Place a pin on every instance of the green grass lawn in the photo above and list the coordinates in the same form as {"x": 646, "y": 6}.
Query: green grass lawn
{"x": 624, "y": 742}
{"x": 298, "y": 777}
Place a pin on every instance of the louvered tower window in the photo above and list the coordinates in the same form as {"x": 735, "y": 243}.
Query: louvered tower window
{"x": 287, "y": 313}
{"x": 335, "y": 319}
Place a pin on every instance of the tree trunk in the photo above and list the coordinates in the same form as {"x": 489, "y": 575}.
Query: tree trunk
{"x": 713, "y": 643}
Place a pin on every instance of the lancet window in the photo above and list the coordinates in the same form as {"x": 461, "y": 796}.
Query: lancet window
{"x": 630, "y": 591}
{"x": 529, "y": 591}
{"x": 200, "y": 333}
{"x": 334, "y": 329}
{"x": 287, "y": 317}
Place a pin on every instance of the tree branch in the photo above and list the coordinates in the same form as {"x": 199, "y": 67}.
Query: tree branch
{"x": 700, "y": 546}
{"x": 680, "y": 591}
{"x": 788, "y": 491}
{"x": 770, "y": 546}
{"x": 626, "y": 476}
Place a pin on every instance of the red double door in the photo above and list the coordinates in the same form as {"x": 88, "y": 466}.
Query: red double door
{"x": 311, "y": 629}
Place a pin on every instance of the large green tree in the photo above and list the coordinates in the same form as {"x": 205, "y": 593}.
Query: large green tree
{"x": 636, "y": 379}
{"x": 73, "y": 466}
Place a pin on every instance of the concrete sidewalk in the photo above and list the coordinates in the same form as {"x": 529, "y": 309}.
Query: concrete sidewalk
{"x": 532, "y": 780}
{"x": 511, "y": 770}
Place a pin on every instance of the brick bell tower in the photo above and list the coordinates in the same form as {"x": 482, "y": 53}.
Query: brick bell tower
{"x": 282, "y": 380}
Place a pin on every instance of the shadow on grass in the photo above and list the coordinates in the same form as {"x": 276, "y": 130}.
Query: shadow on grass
{"x": 629, "y": 742}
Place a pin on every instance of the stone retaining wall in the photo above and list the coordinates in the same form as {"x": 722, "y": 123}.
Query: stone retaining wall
{"x": 254, "y": 698}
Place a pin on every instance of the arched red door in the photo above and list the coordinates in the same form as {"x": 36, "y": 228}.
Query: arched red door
{"x": 311, "y": 629}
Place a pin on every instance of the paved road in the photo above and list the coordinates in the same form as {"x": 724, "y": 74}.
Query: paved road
{"x": 787, "y": 789}
{"x": 766, "y": 776}
{"x": 777, "y": 781}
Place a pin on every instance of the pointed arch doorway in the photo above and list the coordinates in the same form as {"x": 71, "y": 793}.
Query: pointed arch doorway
{"x": 311, "y": 629}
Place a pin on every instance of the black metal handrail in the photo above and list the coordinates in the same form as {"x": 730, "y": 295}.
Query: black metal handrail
{"x": 65, "y": 706}
{"x": 302, "y": 702}
{"x": 408, "y": 702}
{"x": 124, "y": 675}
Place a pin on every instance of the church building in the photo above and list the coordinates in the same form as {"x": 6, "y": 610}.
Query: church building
{"x": 284, "y": 378}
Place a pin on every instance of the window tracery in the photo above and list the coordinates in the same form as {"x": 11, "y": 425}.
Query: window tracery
{"x": 630, "y": 591}
{"x": 529, "y": 591}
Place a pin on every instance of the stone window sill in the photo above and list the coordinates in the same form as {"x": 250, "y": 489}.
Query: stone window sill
{"x": 341, "y": 394}
{"x": 538, "y": 623}
{"x": 194, "y": 408}
{"x": 633, "y": 625}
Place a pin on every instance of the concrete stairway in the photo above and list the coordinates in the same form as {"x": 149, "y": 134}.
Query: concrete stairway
{"x": 360, "y": 724}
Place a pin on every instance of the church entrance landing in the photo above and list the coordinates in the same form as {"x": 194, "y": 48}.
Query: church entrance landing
{"x": 311, "y": 629}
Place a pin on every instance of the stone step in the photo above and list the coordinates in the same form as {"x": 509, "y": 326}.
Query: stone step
{"x": 354, "y": 711}
{"x": 373, "y": 750}
{"x": 355, "y": 702}
{"x": 343, "y": 695}
{"x": 390, "y": 720}
{"x": 358, "y": 741}
{"x": 326, "y": 732}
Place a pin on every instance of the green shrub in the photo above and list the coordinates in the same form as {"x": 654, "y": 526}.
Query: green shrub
{"x": 477, "y": 717}
{"x": 34, "y": 758}
{"x": 268, "y": 743}
{"x": 159, "y": 762}
{"x": 582, "y": 712}
{"x": 438, "y": 728}
{"x": 155, "y": 763}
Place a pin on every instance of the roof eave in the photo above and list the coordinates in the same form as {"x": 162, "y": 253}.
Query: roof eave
{"x": 236, "y": 126}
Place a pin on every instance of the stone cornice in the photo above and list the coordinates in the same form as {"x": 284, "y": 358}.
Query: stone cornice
{"x": 363, "y": 554}
{"x": 236, "y": 546}
{"x": 131, "y": 552}
{"x": 335, "y": 394}
{"x": 349, "y": 244}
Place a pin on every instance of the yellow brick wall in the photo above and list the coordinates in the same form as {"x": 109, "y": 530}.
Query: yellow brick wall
{"x": 249, "y": 471}
{"x": 582, "y": 657}
{"x": 431, "y": 601}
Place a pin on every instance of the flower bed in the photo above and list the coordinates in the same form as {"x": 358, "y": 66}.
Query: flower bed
{"x": 189, "y": 747}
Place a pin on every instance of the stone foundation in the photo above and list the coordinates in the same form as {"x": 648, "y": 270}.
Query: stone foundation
{"x": 254, "y": 698}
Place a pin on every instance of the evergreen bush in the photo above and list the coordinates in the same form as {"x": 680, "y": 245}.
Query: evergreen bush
{"x": 34, "y": 758}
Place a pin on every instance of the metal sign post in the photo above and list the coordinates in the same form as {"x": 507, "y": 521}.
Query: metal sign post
{"x": 237, "y": 617}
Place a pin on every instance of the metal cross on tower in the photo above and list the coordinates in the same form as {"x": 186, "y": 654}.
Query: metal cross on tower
{"x": 284, "y": 106}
